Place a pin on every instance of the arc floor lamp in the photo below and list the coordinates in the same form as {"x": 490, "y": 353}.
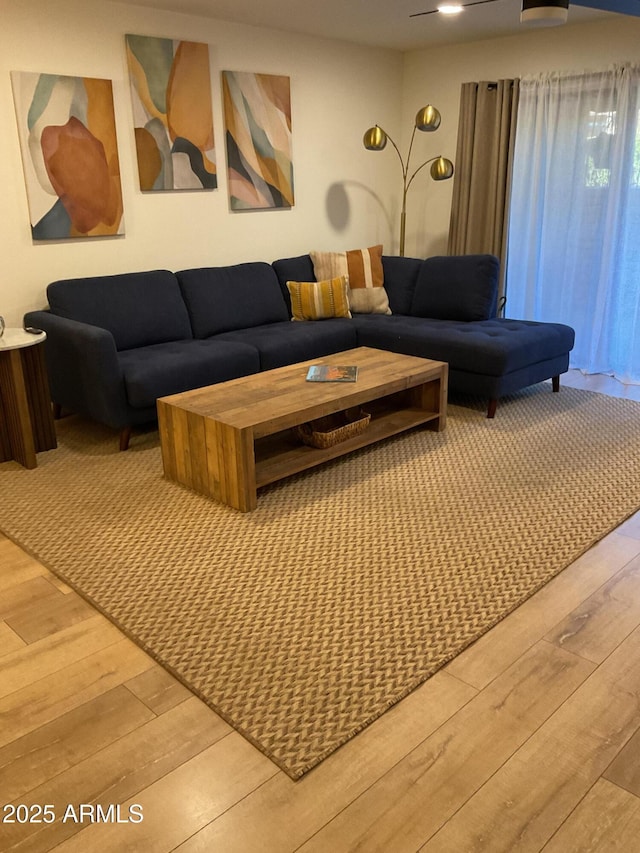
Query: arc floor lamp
{"x": 427, "y": 120}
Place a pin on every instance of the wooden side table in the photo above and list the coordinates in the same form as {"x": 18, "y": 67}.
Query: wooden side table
{"x": 26, "y": 419}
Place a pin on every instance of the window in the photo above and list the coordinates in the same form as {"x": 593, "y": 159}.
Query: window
{"x": 573, "y": 244}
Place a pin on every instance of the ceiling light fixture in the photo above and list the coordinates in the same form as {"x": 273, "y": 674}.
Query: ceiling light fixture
{"x": 544, "y": 13}
{"x": 450, "y": 7}
{"x": 540, "y": 13}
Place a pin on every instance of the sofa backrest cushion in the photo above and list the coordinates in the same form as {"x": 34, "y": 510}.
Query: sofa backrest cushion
{"x": 293, "y": 269}
{"x": 400, "y": 276}
{"x": 457, "y": 287}
{"x": 222, "y": 299}
{"x": 138, "y": 308}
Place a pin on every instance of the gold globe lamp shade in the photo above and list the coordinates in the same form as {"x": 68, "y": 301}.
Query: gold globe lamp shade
{"x": 375, "y": 139}
{"x": 441, "y": 169}
{"x": 428, "y": 119}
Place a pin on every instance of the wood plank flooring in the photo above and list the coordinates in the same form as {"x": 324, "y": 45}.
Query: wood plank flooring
{"x": 528, "y": 741}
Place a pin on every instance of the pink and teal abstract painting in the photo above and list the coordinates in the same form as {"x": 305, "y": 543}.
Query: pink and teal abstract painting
{"x": 69, "y": 150}
{"x": 257, "y": 113}
{"x": 172, "y": 113}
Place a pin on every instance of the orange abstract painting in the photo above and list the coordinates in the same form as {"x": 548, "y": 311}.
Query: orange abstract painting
{"x": 257, "y": 113}
{"x": 172, "y": 113}
{"x": 69, "y": 152}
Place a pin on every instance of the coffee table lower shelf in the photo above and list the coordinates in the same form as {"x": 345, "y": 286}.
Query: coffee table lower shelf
{"x": 281, "y": 455}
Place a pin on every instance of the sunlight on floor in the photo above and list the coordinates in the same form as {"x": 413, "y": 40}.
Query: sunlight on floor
{"x": 601, "y": 383}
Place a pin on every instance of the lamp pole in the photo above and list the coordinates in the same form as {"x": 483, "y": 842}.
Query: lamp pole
{"x": 375, "y": 139}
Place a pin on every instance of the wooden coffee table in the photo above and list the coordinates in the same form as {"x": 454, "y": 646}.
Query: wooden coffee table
{"x": 228, "y": 440}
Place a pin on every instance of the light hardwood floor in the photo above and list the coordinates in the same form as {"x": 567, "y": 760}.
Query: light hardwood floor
{"x": 530, "y": 740}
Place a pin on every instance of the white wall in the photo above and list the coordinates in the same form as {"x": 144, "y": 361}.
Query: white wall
{"x": 337, "y": 91}
{"x": 345, "y": 196}
{"x": 435, "y": 76}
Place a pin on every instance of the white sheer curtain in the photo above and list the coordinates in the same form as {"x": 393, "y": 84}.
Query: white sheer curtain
{"x": 574, "y": 228}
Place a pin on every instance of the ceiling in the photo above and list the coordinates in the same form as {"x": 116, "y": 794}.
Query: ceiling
{"x": 380, "y": 23}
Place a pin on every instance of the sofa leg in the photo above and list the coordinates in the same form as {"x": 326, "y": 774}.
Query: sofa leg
{"x": 555, "y": 383}
{"x": 125, "y": 435}
{"x": 493, "y": 405}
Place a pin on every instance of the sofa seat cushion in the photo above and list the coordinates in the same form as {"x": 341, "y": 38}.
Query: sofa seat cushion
{"x": 286, "y": 343}
{"x": 491, "y": 347}
{"x": 299, "y": 268}
{"x": 138, "y": 308}
{"x": 221, "y": 299}
{"x": 163, "y": 369}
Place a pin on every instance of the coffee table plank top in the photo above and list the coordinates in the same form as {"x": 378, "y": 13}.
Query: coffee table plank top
{"x": 272, "y": 400}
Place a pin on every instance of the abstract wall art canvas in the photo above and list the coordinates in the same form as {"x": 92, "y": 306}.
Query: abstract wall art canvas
{"x": 172, "y": 113}
{"x": 69, "y": 150}
{"x": 257, "y": 112}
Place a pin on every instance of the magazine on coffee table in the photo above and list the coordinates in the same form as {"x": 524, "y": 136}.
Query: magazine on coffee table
{"x": 332, "y": 373}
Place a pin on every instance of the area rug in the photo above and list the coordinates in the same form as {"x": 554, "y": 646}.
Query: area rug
{"x": 302, "y": 622}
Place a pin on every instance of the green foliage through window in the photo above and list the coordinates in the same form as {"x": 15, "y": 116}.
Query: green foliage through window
{"x": 601, "y": 132}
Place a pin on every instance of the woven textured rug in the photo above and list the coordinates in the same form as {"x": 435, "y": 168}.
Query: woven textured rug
{"x": 302, "y": 622}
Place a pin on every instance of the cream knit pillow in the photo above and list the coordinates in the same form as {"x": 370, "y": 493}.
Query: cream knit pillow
{"x": 363, "y": 269}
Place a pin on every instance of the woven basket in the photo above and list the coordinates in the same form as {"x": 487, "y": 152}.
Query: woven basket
{"x": 332, "y": 429}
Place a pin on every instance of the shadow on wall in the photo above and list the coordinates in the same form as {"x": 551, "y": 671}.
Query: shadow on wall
{"x": 338, "y": 206}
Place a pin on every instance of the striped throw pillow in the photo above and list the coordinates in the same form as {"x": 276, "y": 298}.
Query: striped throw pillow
{"x": 319, "y": 300}
{"x": 363, "y": 268}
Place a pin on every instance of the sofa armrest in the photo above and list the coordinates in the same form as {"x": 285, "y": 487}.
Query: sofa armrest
{"x": 84, "y": 372}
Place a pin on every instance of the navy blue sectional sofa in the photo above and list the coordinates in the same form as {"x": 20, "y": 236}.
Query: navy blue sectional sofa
{"x": 117, "y": 343}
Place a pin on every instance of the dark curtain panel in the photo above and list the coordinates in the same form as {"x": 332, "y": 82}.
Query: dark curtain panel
{"x": 486, "y": 135}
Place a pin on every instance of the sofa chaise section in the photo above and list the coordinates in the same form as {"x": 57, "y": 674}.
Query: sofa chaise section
{"x": 445, "y": 308}
{"x": 489, "y": 359}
